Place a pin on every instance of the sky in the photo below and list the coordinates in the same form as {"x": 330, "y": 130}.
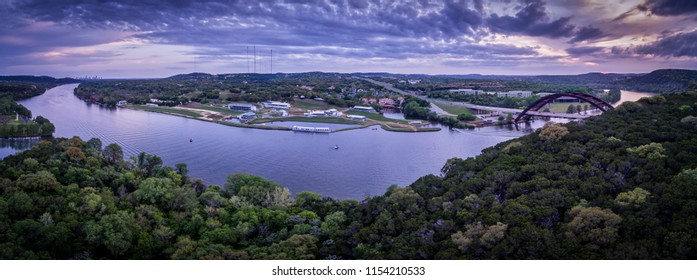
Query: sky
{"x": 160, "y": 38}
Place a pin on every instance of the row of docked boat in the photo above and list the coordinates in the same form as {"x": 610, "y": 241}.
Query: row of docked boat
{"x": 311, "y": 129}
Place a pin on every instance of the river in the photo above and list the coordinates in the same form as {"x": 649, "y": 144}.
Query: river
{"x": 367, "y": 162}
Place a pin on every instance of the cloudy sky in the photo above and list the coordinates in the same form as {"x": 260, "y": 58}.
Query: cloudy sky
{"x": 158, "y": 38}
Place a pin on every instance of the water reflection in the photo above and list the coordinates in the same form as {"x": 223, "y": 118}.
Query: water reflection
{"x": 11, "y": 146}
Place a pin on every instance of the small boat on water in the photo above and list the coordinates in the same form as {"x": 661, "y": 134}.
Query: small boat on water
{"x": 191, "y": 140}
{"x": 336, "y": 147}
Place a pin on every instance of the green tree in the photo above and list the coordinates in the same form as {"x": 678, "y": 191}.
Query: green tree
{"x": 42, "y": 181}
{"x": 552, "y": 132}
{"x": 95, "y": 143}
{"x": 594, "y": 226}
{"x": 571, "y": 109}
{"x": 113, "y": 153}
{"x": 116, "y": 232}
{"x": 652, "y": 151}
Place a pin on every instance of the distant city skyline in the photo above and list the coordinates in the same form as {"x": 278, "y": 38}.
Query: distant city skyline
{"x": 151, "y": 39}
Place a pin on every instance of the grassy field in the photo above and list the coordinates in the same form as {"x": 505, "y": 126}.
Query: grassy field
{"x": 374, "y": 116}
{"x": 306, "y": 119}
{"x": 452, "y": 109}
{"x": 12, "y": 121}
{"x": 221, "y": 110}
{"x": 253, "y": 126}
{"x": 562, "y": 107}
{"x": 309, "y": 104}
{"x": 167, "y": 110}
{"x": 401, "y": 129}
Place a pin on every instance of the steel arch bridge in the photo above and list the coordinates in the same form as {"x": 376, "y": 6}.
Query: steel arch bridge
{"x": 597, "y": 102}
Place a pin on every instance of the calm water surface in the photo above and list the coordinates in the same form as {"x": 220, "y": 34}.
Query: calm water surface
{"x": 367, "y": 162}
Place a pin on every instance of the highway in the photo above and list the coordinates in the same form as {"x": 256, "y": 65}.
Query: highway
{"x": 440, "y": 111}
{"x": 436, "y": 108}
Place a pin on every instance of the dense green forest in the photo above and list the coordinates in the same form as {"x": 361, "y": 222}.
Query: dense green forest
{"x": 485, "y": 99}
{"x": 618, "y": 186}
{"x": 663, "y": 81}
{"x": 494, "y": 83}
{"x": 23, "y": 87}
{"x": 20, "y": 87}
{"x": 659, "y": 81}
{"x": 417, "y": 108}
{"x": 205, "y": 88}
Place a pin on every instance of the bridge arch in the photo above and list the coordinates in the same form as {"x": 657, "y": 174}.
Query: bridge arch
{"x": 537, "y": 105}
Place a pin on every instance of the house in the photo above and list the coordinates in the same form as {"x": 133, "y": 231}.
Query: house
{"x": 386, "y": 102}
{"x": 242, "y": 107}
{"x": 276, "y": 105}
{"x": 368, "y": 101}
{"x": 363, "y": 109}
{"x": 413, "y": 82}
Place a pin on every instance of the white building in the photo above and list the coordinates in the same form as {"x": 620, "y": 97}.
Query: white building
{"x": 276, "y": 105}
{"x": 364, "y": 108}
{"x": 313, "y": 114}
{"x": 242, "y": 107}
{"x": 332, "y": 113}
{"x": 466, "y": 91}
{"x": 280, "y": 113}
{"x": 515, "y": 93}
{"x": 356, "y": 117}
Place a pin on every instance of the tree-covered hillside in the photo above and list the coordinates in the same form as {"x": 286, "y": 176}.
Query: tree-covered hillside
{"x": 619, "y": 186}
{"x": 22, "y": 87}
{"x": 205, "y": 88}
{"x": 663, "y": 81}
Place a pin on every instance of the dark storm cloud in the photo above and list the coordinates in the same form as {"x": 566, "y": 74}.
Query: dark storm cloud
{"x": 296, "y": 22}
{"x": 587, "y": 33}
{"x": 532, "y": 19}
{"x": 662, "y": 8}
{"x": 669, "y": 7}
{"x": 442, "y": 19}
{"x": 683, "y": 44}
{"x": 217, "y": 30}
{"x": 580, "y": 51}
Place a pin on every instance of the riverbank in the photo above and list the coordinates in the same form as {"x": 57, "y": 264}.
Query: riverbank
{"x": 217, "y": 116}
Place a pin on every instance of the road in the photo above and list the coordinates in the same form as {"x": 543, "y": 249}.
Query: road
{"x": 434, "y": 107}
{"x": 440, "y": 111}
{"x": 437, "y": 109}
